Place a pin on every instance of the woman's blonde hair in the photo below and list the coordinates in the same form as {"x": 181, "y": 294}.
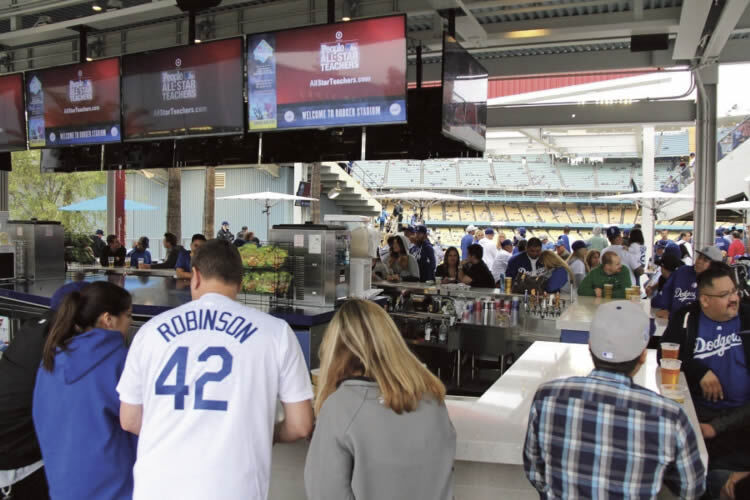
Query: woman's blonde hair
{"x": 579, "y": 254}
{"x": 550, "y": 260}
{"x": 590, "y": 255}
{"x": 362, "y": 340}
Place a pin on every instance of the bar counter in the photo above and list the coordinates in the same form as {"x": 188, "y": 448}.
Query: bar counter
{"x": 491, "y": 430}
{"x": 154, "y": 292}
{"x": 575, "y": 322}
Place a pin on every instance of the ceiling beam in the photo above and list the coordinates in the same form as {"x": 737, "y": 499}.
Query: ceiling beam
{"x": 692, "y": 20}
{"x": 730, "y": 15}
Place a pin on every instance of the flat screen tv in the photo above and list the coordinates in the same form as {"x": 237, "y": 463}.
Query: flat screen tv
{"x": 185, "y": 91}
{"x": 332, "y": 75}
{"x": 12, "y": 119}
{"x": 74, "y": 105}
{"x": 464, "y": 96}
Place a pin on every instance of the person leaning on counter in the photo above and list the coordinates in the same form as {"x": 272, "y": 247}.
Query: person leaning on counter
{"x": 140, "y": 252}
{"x": 475, "y": 272}
{"x": 183, "y": 268}
{"x": 610, "y": 272}
{"x": 173, "y": 252}
{"x": 113, "y": 249}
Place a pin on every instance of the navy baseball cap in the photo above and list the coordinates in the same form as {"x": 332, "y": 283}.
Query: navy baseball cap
{"x": 613, "y": 232}
{"x": 521, "y": 231}
{"x": 63, "y": 291}
{"x": 225, "y": 223}
{"x": 489, "y": 230}
{"x": 506, "y": 243}
{"x": 662, "y": 243}
{"x": 420, "y": 229}
{"x": 99, "y": 231}
{"x": 577, "y": 245}
{"x": 720, "y": 231}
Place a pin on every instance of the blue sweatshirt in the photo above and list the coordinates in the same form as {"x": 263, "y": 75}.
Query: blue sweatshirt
{"x": 566, "y": 241}
{"x": 558, "y": 279}
{"x": 76, "y": 413}
{"x": 425, "y": 255}
{"x": 466, "y": 242}
{"x": 135, "y": 255}
{"x": 722, "y": 243}
{"x": 680, "y": 290}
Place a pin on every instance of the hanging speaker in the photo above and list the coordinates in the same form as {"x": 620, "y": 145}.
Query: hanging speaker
{"x": 646, "y": 43}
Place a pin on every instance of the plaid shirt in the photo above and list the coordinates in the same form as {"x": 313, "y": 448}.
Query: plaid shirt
{"x": 602, "y": 436}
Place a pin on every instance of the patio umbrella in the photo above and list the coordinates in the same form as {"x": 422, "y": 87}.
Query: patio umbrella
{"x": 268, "y": 199}
{"x": 100, "y": 205}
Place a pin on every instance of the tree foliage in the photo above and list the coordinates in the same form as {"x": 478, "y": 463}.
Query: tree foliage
{"x": 34, "y": 194}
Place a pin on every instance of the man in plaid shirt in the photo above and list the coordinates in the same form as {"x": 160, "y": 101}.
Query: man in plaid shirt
{"x": 602, "y": 436}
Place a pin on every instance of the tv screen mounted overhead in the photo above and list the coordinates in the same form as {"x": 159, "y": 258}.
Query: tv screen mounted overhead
{"x": 12, "y": 119}
{"x": 74, "y": 105}
{"x": 184, "y": 91}
{"x": 332, "y": 75}
{"x": 465, "y": 83}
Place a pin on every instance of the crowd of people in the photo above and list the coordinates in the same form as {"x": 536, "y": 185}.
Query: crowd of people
{"x": 189, "y": 409}
{"x": 110, "y": 251}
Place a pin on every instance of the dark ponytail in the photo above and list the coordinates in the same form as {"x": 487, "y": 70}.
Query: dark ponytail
{"x": 79, "y": 313}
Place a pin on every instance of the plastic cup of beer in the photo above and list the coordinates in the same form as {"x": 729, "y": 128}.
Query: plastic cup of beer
{"x": 674, "y": 392}
{"x": 140, "y": 263}
{"x": 508, "y": 285}
{"x": 608, "y": 288}
{"x": 670, "y": 350}
{"x": 635, "y": 293}
{"x": 628, "y": 293}
{"x": 438, "y": 280}
{"x": 670, "y": 371}
{"x": 111, "y": 261}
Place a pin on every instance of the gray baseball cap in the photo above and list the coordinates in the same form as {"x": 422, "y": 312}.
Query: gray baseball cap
{"x": 619, "y": 331}
{"x": 712, "y": 253}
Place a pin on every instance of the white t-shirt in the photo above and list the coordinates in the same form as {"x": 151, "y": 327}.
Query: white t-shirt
{"x": 490, "y": 251}
{"x": 208, "y": 375}
{"x": 626, "y": 258}
{"x": 500, "y": 264}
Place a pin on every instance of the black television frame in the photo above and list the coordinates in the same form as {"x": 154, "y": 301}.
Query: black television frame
{"x": 62, "y": 66}
{"x": 25, "y": 147}
{"x": 442, "y": 82}
{"x": 243, "y": 59}
{"x": 328, "y": 127}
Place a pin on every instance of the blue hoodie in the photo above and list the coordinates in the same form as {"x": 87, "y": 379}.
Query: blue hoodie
{"x": 680, "y": 290}
{"x": 76, "y": 413}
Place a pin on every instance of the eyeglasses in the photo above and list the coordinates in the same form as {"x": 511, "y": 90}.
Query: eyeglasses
{"x": 723, "y": 295}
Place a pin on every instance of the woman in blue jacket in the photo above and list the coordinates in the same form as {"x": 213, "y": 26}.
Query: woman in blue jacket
{"x": 76, "y": 408}
{"x": 559, "y": 275}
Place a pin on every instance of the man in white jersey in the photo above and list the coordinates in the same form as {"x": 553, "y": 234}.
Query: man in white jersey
{"x": 200, "y": 387}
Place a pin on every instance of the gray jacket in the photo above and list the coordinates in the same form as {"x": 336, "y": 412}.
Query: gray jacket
{"x": 365, "y": 451}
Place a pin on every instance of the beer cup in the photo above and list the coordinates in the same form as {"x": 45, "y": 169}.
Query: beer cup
{"x": 670, "y": 371}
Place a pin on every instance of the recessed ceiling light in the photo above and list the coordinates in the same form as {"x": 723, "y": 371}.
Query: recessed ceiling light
{"x": 346, "y": 18}
{"x": 97, "y": 7}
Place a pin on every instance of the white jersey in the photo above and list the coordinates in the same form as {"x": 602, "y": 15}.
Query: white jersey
{"x": 489, "y": 253}
{"x": 208, "y": 375}
{"x": 500, "y": 264}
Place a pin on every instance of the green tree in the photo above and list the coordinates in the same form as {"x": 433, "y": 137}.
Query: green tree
{"x": 34, "y": 194}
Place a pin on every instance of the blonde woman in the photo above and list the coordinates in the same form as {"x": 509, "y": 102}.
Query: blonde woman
{"x": 383, "y": 431}
{"x": 559, "y": 275}
{"x": 593, "y": 259}
{"x": 577, "y": 261}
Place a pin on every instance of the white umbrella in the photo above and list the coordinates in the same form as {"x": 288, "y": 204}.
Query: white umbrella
{"x": 269, "y": 199}
{"x": 737, "y": 205}
{"x": 655, "y": 200}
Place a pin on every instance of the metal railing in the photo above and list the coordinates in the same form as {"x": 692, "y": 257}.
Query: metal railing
{"x": 732, "y": 139}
